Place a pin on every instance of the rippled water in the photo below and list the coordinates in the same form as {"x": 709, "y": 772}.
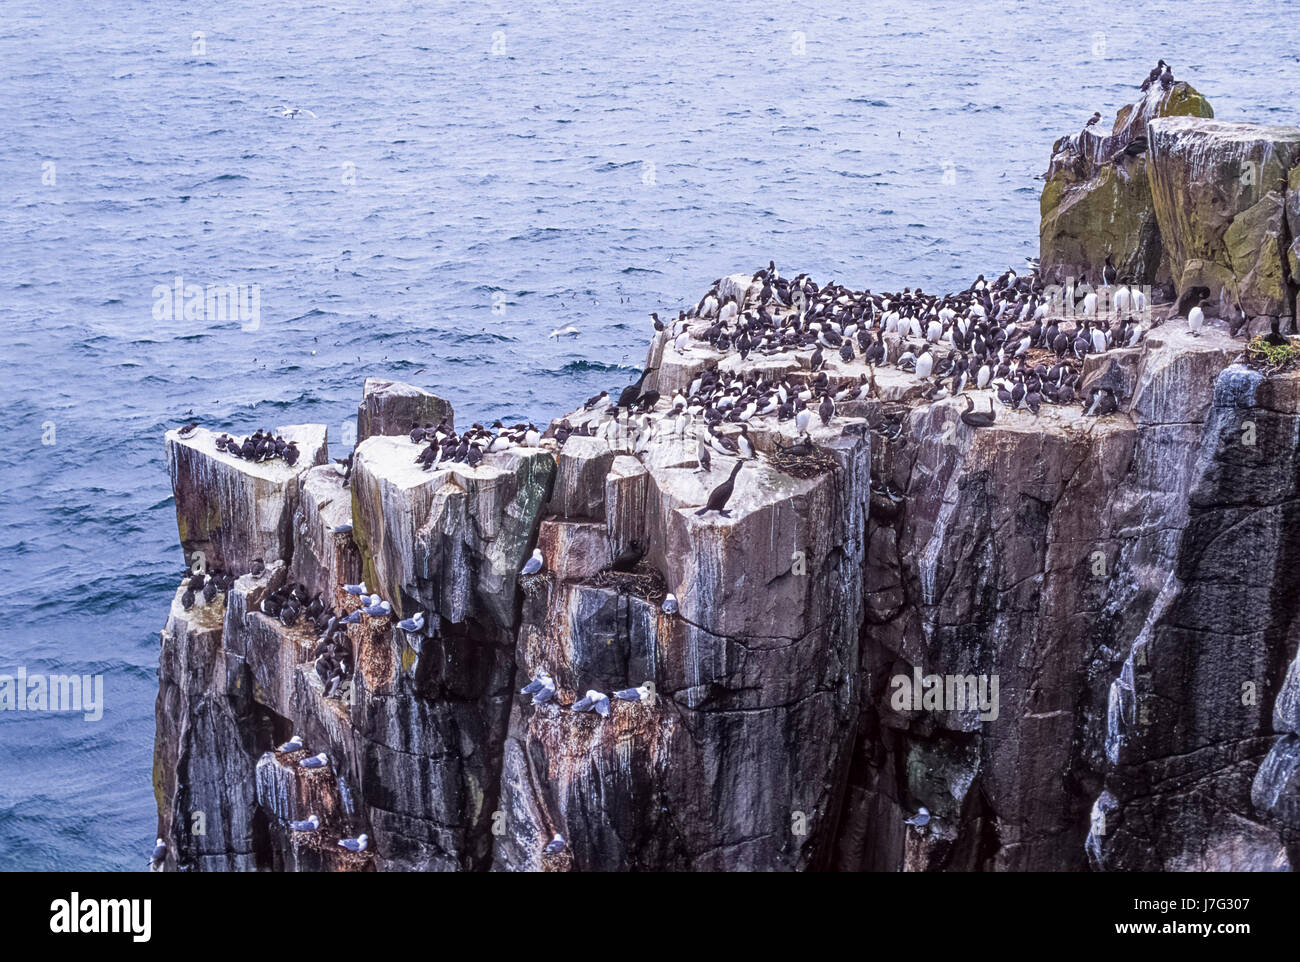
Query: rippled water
{"x": 476, "y": 177}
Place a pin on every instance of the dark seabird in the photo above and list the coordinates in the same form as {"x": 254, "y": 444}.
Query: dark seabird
{"x": 187, "y": 599}
{"x": 826, "y": 410}
{"x": 188, "y": 429}
{"x": 722, "y": 494}
{"x": 1109, "y": 274}
{"x": 258, "y": 569}
{"x": 1093, "y": 119}
{"x": 1167, "y": 78}
{"x": 977, "y": 419}
{"x": 357, "y": 844}
{"x": 1153, "y": 76}
{"x": 633, "y": 390}
{"x": 627, "y": 559}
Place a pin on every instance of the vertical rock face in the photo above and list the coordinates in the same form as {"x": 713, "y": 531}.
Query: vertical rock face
{"x": 1192, "y": 713}
{"x": 1097, "y": 198}
{"x": 391, "y": 407}
{"x": 232, "y": 510}
{"x": 1220, "y": 192}
{"x": 739, "y": 760}
{"x": 1105, "y": 603}
{"x": 431, "y": 712}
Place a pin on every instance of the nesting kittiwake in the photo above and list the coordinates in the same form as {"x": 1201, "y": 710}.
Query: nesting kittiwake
{"x": 412, "y": 624}
{"x": 357, "y": 844}
{"x": 308, "y": 824}
{"x": 920, "y": 819}
{"x": 534, "y": 564}
{"x": 159, "y": 853}
{"x": 294, "y": 744}
{"x": 357, "y": 589}
{"x": 315, "y": 761}
{"x": 556, "y": 845}
{"x": 640, "y": 693}
{"x": 593, "y": 701}
{"x": 542, "y": 687}
{"x": 670, "y": 604}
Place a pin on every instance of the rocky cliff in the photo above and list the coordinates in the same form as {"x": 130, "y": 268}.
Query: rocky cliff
{"x": 1111, "y": 599}
{"x": 1180, "y": 200}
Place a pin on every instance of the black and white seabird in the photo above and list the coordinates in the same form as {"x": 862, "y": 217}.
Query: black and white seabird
{"x": 159, "y": 854}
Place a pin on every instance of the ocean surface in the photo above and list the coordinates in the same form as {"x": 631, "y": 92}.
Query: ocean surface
{"x": 475, "y": 177}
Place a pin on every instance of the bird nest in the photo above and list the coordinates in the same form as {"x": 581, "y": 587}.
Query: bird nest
{"x": 644, "y": 581}
{"x": 532, "y": 585}
{"x": 1272, "y": 358}
{"x": 803, "y": 467}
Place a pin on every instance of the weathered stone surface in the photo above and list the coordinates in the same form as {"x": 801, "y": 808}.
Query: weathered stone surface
{"x": 740, "y": 761}
{"x": 203, "y": 769}
{"x": 1096, "y": 203}
{"x": 1122, "y": 579}
{"x": 233, "y": 510}
{"x": 1210, "y": 183}
{"x": 323, "y": 558}
{"x": 392, "y": 407}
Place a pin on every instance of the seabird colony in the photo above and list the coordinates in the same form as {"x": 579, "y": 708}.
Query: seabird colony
{"x": 1004, "y": 335}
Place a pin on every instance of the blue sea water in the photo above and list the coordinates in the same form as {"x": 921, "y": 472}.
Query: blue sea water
{"x": 476, "y": 176}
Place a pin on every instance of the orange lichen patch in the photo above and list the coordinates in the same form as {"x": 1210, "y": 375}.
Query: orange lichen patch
{"x": 375, "y": 657}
